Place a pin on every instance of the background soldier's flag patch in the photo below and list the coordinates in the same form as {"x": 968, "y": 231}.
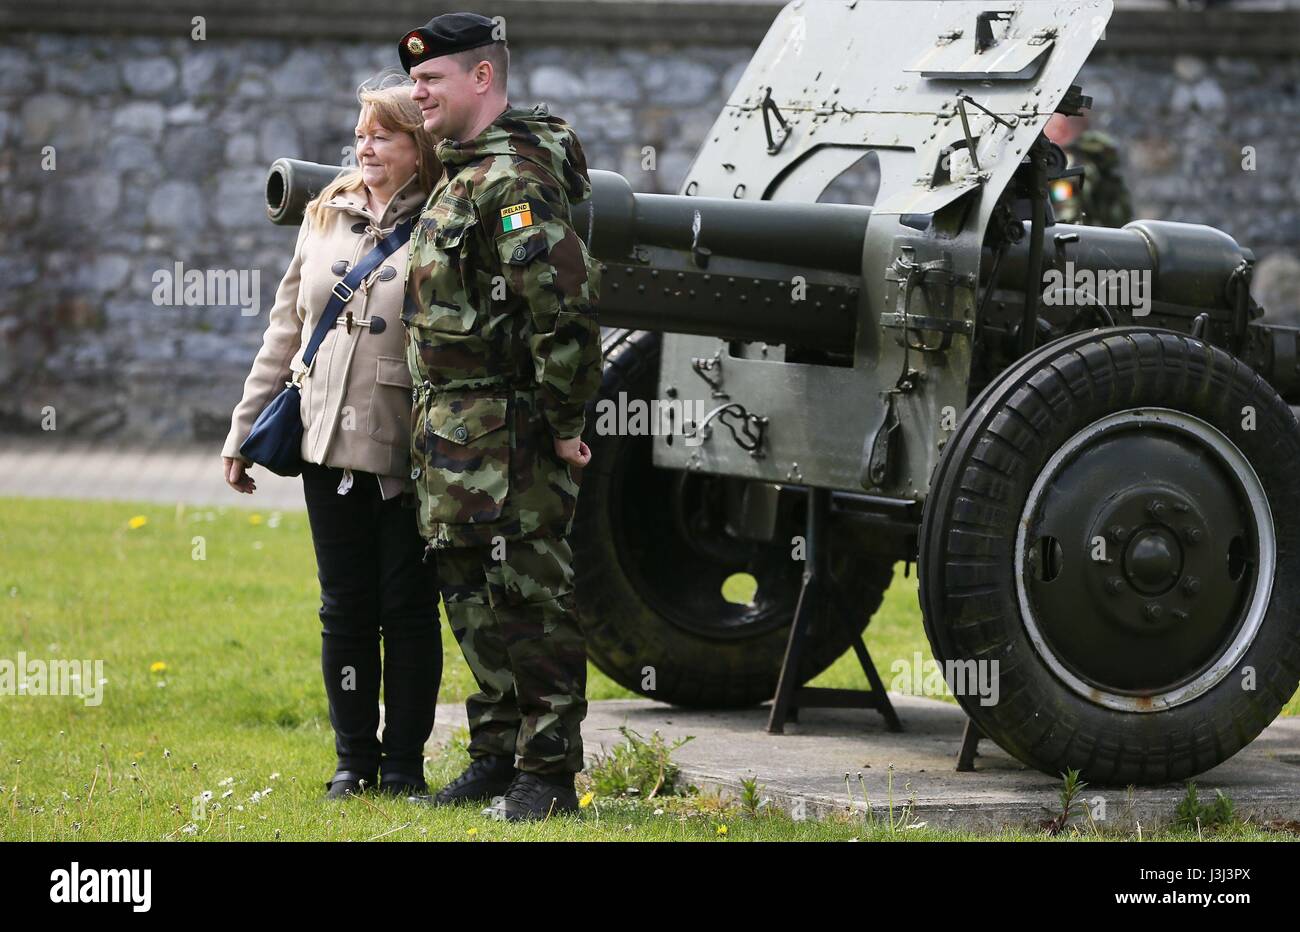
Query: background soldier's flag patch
{"x": 516, "y": 217}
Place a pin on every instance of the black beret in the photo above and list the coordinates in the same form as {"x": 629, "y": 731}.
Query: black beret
{"x": 443, "y": 35}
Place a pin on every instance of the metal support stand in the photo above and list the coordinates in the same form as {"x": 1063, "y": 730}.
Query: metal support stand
{"x": 970, "y": 742}
{"x": 819, "y": 603}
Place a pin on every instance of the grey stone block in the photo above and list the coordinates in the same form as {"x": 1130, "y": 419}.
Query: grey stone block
{"x": 144, "y": 118}
{"x": 619, "y": 85}
{"x": 149, "y": 76}
{"x": 305, "y": 73}
{"x": 177, "y": 205}
{"x": 679, "y": 81}
{"x": 1204, "y": 96}
{"x": 130, "y": 153}
{"x": 193, "y": 152}
{"x": 240, "y": 201}
{"x": 44, "y": 116}
{"x": 19, "y": 71}
{"x": 554, "y": 83}
{"x": 278, "y": 137}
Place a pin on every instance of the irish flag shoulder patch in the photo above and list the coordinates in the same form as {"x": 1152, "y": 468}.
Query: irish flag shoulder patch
{"x": 516, "y": 217}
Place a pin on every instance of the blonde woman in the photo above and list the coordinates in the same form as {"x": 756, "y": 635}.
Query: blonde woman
{"x": 356, "y": 404}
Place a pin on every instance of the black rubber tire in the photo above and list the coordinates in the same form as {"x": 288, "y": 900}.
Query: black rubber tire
{"x": 968, "y": 533}
{"x": 627, "y": 627}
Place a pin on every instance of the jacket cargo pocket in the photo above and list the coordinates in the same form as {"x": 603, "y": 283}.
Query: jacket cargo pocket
{"x": 389, "y": 416}
{"x": 463, "y": 455}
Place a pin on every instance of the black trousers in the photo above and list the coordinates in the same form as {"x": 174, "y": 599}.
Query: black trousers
{"x": 373, "y": 585}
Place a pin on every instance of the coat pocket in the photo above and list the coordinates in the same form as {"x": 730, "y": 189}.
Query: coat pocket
{"x": 390, "y": 402}
{"x": 462, "y": 457}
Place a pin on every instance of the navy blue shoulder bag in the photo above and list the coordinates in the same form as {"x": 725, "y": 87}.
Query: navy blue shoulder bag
{"x": 275, "y": 440}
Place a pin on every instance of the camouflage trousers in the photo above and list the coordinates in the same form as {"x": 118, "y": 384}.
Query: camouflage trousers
{"x": 517, "y": 626}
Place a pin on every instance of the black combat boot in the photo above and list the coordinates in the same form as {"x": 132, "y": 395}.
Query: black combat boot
{"x": 484, "y": 778}
{"x": 537, "y": 796}
{"x": 348, "y": 783}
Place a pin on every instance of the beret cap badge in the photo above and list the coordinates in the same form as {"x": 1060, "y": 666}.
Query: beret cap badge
{"x": 415, "y": 45}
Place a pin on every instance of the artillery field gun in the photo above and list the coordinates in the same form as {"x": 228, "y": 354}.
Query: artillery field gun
{"x": 1080, "y": 434}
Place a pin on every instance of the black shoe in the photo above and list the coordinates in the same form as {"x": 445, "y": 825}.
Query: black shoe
{"x": 484, "y": 778}
{"x": 537, "y": 796}
{"x": 396, "y": 784}
{"x": 348, "y": 783}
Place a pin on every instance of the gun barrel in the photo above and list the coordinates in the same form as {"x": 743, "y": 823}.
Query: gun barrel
{"x": 291, "y": 184}
{"x": 816, "y": 236}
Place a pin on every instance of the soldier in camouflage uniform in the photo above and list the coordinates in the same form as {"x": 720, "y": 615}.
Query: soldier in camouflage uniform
{"x": 1104, "y": 198}
{"x": 504, "y": 350}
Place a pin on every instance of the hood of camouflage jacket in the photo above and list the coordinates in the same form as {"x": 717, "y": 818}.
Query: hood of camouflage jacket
{"x": 533, "y": 134}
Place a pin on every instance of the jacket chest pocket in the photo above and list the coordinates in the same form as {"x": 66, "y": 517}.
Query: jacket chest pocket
{"x": 439, "y": 283}
{"x": 461, "y": 457}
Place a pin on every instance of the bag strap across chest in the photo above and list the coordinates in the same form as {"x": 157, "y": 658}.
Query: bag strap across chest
{"x": 346, "y": 286}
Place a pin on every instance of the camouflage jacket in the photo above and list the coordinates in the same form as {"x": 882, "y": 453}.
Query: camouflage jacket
{"x": 502, "y": 340}
{"x": 1104, "y": 198}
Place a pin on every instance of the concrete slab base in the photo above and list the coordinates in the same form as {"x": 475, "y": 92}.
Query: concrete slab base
{"x": 803, "y": 771}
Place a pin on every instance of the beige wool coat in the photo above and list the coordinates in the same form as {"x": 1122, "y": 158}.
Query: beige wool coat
{"x": 356, "y": 398}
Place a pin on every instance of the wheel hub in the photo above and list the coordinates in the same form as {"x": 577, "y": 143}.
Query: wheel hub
{"x": 673, "y": 528}
{"x": 1152, "y": 561}
{"x": 1151, "y": 547}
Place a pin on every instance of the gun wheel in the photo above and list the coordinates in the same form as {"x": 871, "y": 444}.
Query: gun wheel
{"x": 653, "y": 560}
{"x": 1114, "y": 524}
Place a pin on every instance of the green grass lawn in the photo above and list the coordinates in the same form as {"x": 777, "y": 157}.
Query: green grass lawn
{"x": 213, "y": 686}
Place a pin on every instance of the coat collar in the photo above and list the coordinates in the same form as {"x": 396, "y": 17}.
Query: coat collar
{"x": 406, "y": 200}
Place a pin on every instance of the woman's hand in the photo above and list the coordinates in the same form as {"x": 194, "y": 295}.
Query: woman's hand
{"x": 236, "y": 478}
{"x": 573, "y": 451}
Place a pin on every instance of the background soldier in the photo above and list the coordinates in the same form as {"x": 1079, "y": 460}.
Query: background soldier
{"x": 504, "y": 350}
{"x": 1104, "y": 199}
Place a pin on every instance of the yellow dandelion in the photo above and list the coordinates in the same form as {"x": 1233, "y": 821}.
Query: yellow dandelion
{"x": 722, "y": 830}
{"x": 157, "y": 667}
{"x": 254, "y": 519}
{"x": 586, "y": 799}
{"x": 137, "y": 521}
{"x": 471, "y": 832}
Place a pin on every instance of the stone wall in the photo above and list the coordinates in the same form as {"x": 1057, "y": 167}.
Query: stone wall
{"x": 161, "y": 145}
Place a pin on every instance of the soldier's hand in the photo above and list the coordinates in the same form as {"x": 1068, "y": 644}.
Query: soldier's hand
{"x": 236, "y": 478}
{"x": 573, "y": 451}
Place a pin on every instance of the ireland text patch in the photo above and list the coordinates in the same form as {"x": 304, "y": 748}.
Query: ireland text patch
{"x": 516, "y": 217}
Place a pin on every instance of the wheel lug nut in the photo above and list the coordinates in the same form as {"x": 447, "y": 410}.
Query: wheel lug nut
{"x": 1154, "y": 611}
{"x": 1191, "y": 585}
{"x": 1114, "y": 584}
{"x": 1116, "y": 533}
{"x": 1156, "y": 509}
{"x": 1180, "y": 507}
{"x": 1194, "y": 535}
